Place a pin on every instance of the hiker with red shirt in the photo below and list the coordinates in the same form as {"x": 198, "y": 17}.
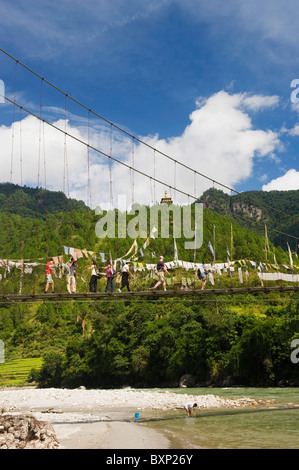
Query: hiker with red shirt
{"x": 49, "y": 279}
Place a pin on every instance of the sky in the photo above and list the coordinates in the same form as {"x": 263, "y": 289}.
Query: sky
{"x": 210, "y": 85}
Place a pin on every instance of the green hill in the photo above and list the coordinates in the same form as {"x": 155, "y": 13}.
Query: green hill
{"x": 34, "y": 238}
{"x": 36, "y": 202}
{"x": 254, "y": 209}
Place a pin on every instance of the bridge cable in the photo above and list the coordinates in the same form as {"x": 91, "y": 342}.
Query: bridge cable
{"x": 123, "y": 163}
{"x": 141, "y": 141}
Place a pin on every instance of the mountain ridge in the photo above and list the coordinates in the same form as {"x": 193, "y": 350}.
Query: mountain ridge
{"x": 278, "y": 210}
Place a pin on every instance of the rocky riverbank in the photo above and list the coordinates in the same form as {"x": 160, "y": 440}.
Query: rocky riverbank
{"x": 45, "y": 399}
{"x": 106, "y": 417}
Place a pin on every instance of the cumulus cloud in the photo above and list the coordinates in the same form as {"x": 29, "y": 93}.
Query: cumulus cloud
{"x": 219, "y": 142}
{"x": 32, "y": 151}
{"x": 290, "y": 180}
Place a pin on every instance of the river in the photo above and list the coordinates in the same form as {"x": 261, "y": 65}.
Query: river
{"x": 273, "y": 426}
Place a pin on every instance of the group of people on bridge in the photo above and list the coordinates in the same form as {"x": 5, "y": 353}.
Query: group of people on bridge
{"x": 110, "y": 273}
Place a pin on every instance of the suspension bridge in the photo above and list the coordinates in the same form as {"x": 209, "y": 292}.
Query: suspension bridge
{"x": 104, "y": 153}
{"x": 133, "y": 295}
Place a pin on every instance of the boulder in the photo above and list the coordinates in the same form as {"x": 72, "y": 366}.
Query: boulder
{"x": 187, "y": 380}
{"x": 228, "y": 381}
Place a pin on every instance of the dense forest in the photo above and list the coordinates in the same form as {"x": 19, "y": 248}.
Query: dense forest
{"x": 36, "y": 202}
{"x": 153, "y": 343}
{"x": 242, "y": 340}
{"x": 40, "y": 223}
{"x": 254, "y": 209}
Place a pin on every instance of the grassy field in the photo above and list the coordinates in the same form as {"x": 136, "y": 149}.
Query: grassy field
{"x": 15, "y": 373}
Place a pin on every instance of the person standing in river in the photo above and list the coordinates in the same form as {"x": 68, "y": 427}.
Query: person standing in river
{"x": 189, "y": 407}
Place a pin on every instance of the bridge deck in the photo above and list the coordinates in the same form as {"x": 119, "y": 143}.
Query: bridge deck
{"x": 148, "y": 294}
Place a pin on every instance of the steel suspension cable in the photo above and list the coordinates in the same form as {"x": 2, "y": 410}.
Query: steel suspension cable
{"x": 121, "y": 162}
{"x": 139, "y": 140}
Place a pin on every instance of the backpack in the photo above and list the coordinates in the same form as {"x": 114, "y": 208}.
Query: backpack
{"x": 200, "y": 274}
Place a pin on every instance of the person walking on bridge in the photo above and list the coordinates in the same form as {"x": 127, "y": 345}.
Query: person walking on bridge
{"x": 110, "y": 273}
{"x": 93, "y": 283}
{"x": 125, "y": 272}
{"x": 161, "y": 268}
{"x": 71, "y": 275}
{"x": 49, "y": 272}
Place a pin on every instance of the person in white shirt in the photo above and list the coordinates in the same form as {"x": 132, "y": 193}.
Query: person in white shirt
{"x": 94, "y": 276}
{"x": 71, "y": 275}
{"x": 189, "y": 407}
{"x": 125, "y": 272}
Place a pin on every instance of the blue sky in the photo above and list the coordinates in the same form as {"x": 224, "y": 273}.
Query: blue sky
{"x": 207, "y": 83}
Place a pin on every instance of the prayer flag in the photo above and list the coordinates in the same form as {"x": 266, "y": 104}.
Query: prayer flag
{"x": 290, "y": 256}
{"x": 211, "y": 249}
{"x": 175, "y": 251}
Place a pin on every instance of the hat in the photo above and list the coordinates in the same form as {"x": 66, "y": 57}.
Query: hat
{"x": 161, "y": 257}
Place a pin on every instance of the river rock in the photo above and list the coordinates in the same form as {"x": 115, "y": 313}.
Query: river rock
{"x": 187, "y": 380}
{"x": 228, "y": 381}
{"x": 23, "y": 431}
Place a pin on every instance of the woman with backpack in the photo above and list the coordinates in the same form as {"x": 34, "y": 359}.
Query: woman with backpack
{"x": 202, "y": 275}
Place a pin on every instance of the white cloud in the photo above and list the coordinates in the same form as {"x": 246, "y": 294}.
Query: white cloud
{"x": 263, "y": 177}
{"x": 275, "y": 20}
{"x": 219, "y": 142}
{"x": 288, "y": 181}
{"x": 52, "y": 29}
{"x": 258, "y": 102}
{"x": 294, "y": 131}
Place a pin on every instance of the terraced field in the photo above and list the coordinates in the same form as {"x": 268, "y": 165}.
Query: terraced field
{"x": 16, "y": 372}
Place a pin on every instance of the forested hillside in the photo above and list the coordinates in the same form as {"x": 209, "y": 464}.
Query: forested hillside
{"x": 36, "y": 202}
{"x": 254, "y": 209}
{"x": 31, "y": 236}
